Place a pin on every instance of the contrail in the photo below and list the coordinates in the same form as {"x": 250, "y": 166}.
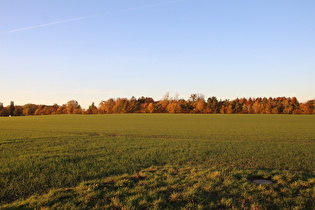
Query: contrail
{"x": 48, "y": 24}
{"x": 90, "y": 16}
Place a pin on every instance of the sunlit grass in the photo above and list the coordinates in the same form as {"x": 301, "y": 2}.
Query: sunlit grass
{"x": 43, "y": 153}
{"x": 171, "y": 187}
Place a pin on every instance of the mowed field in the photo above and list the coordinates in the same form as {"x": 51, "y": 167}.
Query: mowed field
{"x": 161, "y": 161}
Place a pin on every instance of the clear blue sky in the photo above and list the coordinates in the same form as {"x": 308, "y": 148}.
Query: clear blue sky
{"x": 55, "y": 51}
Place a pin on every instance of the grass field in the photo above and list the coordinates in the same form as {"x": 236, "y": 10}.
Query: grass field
{"x": 157, "y": 161}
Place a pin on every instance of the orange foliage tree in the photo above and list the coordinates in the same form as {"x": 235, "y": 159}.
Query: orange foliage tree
{"x": 195, "y": 104}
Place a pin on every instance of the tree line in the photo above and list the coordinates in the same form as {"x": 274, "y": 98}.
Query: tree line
{"x": 195, "y": 104}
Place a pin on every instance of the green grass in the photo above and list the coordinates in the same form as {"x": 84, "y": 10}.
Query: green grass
{"x": 47, "y": 154}
{"x": 174, "y": 188}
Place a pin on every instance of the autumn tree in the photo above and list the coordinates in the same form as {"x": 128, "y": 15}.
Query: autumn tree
{"x": 1, "y": 109}
{"x": 143, "y": 103}
{"x": 73, "y": 107}
{"x": 158, "y": 108}
{"x": 173, "y": 107}
{"x": 193, "y": 100}
{"x": 121, "y": 105}
{"x": 29, "y": 109}
{"x": 200, "y": 106}
{"x": 62, "y": 109}
{"x": 162, "y": 104}
{"x": 312, "y": 105}
{"x": 213, "y": 105}
{"x": 194, "y": 104}
{"x": 185, "y": 106}
{"x": 41, "y": 110}
{"x": 151, "y": 107}
{"x": 54, "y": 108}
{"x": 5, "y": 111}
{"x": 12, "y": 108}
{"x": 308, "y": 107}
{"x": 134, "y": 105}
{"x": 92, "y": 109}
{"x": 106, "y": 107}
{"x": 18, "y": 111}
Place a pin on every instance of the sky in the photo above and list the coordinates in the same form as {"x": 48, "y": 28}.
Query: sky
{"x": 54, "y": 51}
